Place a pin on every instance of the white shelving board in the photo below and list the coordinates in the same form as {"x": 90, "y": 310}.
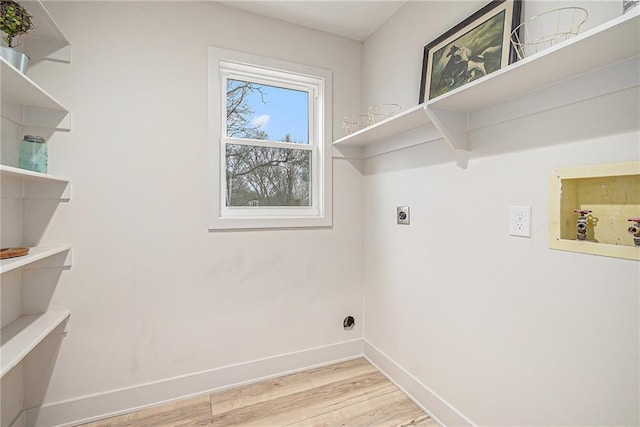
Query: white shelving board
{"x": 406, "y": 121}
{"x": 27, "y": 175}
{"x": 25, "y": 184}
{"x": 46, "y": 40}
{"x": 37, "y": 253}
{"x": 612, "y": 42}
{"x": 25, "y": 92}
{"x": 24, "y": 334}
{"x": 26, "y": 103}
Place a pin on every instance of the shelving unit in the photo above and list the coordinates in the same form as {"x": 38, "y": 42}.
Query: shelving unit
{"x": 24, "y": 334}
{"x": 36, "y": 254}
{"x": 26, "y": 105}
{"x": 615, "y": 41}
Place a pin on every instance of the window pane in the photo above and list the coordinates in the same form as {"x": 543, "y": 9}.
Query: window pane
{"x": 266, "y": 176}
{"x": 259, "y": 111}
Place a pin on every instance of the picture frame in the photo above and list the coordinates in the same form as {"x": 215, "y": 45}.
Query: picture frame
{"x": 477, "y": 46}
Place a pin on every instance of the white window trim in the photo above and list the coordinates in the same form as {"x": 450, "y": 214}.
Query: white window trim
{"x": 222, "y": 217}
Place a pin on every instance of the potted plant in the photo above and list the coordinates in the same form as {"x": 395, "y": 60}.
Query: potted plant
{"x": 14, "y": 22}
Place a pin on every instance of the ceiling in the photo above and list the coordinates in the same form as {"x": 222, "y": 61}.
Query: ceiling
{"x": 352, "y": 19}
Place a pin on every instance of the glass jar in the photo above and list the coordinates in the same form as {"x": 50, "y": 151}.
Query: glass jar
{"x": 33, "y": 154}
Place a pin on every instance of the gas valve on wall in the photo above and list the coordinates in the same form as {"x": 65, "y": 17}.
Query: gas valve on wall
{"x": 634, "y": 230}
{"x": 581, "y": 225}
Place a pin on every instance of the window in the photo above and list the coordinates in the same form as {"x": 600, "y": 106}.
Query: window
{"x": 269, "y": 137}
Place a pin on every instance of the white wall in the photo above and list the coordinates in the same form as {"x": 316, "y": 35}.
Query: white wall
{"x": 153, "y": 294}
{"x": 505, "y": 330}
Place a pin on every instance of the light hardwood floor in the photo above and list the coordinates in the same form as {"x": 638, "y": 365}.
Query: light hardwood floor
{"x": 352, "y": 393}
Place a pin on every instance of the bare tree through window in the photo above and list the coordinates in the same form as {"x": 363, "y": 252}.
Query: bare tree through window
{"x": 259, "y": 175}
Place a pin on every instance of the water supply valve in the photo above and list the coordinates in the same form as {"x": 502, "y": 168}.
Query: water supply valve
{"x": 634, "y": 230}
{"x": 581, "y": 225}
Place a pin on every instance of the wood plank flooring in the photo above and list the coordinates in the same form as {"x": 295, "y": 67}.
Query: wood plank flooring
{"x": 352, "y": 393}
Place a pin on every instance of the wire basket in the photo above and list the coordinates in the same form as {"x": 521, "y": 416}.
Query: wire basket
{"x": 354, "y": 123}
{"x": 545, "y": 30}
{"x": 378, "y": 113}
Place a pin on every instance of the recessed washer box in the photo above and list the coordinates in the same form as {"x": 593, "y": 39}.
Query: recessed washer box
{"x": 611, "y": 192}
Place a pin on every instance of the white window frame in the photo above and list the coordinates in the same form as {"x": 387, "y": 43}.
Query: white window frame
{"x": 225, "y": 64}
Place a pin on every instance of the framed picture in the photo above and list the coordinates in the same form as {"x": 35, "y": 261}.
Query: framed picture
{"x": 477, "y": 46}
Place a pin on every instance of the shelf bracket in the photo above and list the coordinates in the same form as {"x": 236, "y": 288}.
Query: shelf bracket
{"x": 453, "y": 125}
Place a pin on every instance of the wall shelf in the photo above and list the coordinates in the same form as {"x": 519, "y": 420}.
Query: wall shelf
{"x": 615, "y": 41}
{"x": 406, "y": 121}
{"x": 27, "y": 175}
{"x": 46, "y": 40}
{"x": 24, "y": 92}
{"x": 25, "y": 184}
{"x": 37, "y": 253}
{"x": 26, "y": 103}
{"x": 24, "y": 334}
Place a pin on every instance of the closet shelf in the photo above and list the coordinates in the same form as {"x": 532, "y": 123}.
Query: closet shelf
{"x": 26, "y": 103}
{"x": 612, "y": 42}
{"x": 46, "y": 40}
{"x": 27, "y": 175}
{"x": 24, "y": 184}
{"x": 36, "y": 253}
{"x": 24, "y": 334}
{"x": 24, "y": 92}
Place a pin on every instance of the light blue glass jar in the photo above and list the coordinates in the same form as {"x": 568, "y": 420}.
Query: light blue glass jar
{"x": 33, "y": 154}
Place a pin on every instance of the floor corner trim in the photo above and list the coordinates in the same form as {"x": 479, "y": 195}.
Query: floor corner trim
{"x": 116, "y": 402}
{"x": 441, "y": 411}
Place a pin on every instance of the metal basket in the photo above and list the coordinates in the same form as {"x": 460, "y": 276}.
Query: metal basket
{"x": 354, "y": 123}
{"x": 545, "y": 30}
{"x": 380, "y": 112}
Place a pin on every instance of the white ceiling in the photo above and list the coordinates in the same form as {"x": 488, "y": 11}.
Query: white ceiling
{"x": 353, "y": 19}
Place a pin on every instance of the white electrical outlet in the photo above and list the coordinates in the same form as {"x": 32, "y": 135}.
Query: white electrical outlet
{"x": 520, "y": 221}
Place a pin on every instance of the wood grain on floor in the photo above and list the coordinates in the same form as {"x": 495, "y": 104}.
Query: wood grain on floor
{"x": 352, "y": 393}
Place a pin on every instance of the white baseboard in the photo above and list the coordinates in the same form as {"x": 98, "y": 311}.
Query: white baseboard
{"x": 441, "y": 411}
{"x": 115, "y": 402}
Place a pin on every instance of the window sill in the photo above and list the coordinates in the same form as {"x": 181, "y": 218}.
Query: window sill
{"x": 244, "y": 223}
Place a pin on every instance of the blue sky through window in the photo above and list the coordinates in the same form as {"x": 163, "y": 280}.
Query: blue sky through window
{"x": 283, "y": 111}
